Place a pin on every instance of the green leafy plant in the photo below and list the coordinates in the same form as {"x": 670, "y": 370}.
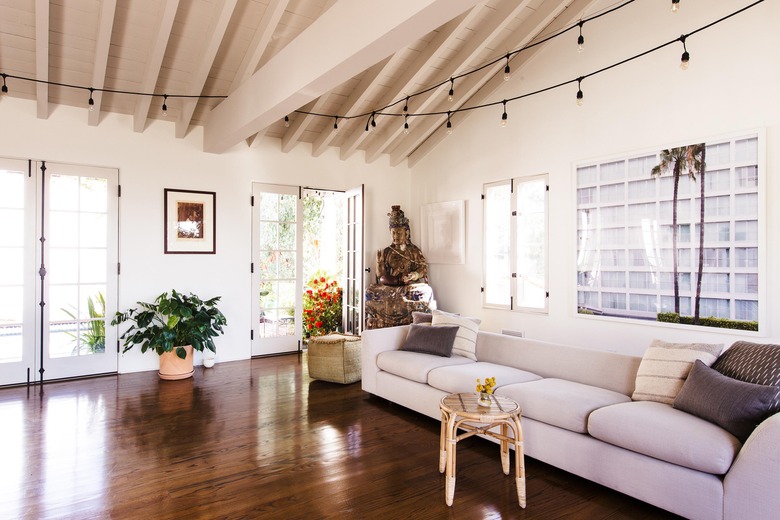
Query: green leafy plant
{"x": 171, "y": 322}
{"x": 321, "y": 306}
{"x": 93, "y": 339}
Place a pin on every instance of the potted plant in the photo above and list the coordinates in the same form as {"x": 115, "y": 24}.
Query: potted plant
{"x": 173, "y": 325}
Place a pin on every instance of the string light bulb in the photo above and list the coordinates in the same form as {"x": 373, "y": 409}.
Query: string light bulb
{"x": 91, "y": 101}
{"x": 165, "y": 105}
{"x": 504, "y": 116}
{"x": 685, "y": 58}
{"x": 335, "y": 125}
{"x": 406, "y": 105}
{"x": 406, "y": 125}
{"x": 580, "y": 95}
{"x": 507, "y": 70}
{"x": 452, "y": 90}
{"x": 580, "y": 40}
{"x": 4, "y": 89}
{"x": 449, "y": 124}
{"x": 675, "y": 5}
{"x": 287, "y": 121}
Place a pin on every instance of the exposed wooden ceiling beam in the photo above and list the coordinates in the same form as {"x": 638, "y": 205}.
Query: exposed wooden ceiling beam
{"x": 273, "y": 13}
{"x": 415, "y": 73}
{"x": 323, "y": 55}
{"x": 42, "y": 57}
{"x": 491, "y": 30}
{"x": 152, "y": 72}
{"x": 213, "y": 39}
{"x": 549, "y": 18}
{"x": 102, "y": 45}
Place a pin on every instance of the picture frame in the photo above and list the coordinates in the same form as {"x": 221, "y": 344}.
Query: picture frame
{"x": 444, "y": 232}
{"x": 190, "y": 221}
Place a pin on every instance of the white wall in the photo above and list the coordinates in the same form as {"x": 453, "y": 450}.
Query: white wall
{"x": 648, "y": 104}
{"x": 153, "y": 160}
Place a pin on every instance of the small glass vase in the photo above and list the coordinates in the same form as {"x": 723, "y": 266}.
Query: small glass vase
{"x": 484, "y": 399}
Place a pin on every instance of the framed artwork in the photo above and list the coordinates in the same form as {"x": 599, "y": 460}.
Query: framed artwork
{"x": 675, "y": 235}
{"x": 444, "y": 232}
{"x": 190, "y": 221}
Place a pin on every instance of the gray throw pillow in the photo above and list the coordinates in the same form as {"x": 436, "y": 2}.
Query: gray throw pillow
{"x": 436, "y": 340}
{"x": 757, "y": 363}
{"x": 421, "y": 317}
{"x": 736, "y": 406}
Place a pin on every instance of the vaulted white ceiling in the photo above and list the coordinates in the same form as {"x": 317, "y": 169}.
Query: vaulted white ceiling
{"x": 263, "y": 60}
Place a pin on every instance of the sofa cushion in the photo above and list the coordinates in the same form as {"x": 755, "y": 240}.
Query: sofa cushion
{"x": 560, "y": 403}
{"x": 736, "y": 406}
{"x": 414, "y": 365}
{"x": 662, "y": 432}
{"x": 466, "y": 340}
{"x": 462, "y": 378}
{"x": 665, "y": 366}
{"x": 421, "y": 317}
{"x": 753, "y": 363}
{"x": 435, "y": 340}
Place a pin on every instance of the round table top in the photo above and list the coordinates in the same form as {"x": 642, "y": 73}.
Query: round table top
{"x": 466, "y": 405}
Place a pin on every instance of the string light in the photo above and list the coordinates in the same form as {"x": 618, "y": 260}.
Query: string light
{"x": 406, "y": 105}
{"x": 507, "y": 70}
{"x": 685, "y": 58}
{"x": 406, "y": 124}
{"x": 335, "y": 125}
{"x": 165, "y": 105}
{"x": 581, "y": 39}
{"x": 449, "y": 124}
{"x": 4, "y": 89}
{"x": 504, "y": 116}
{"x": 287, "y": 121}
{"x": 580, "y": 95}
{"x": 452, "y": 90}
{"x": 91, "y": 101}
{"x": 675, "y": 5}
{"x": 371, "y": 122}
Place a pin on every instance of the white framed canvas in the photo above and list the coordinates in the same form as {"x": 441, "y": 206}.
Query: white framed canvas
{"x": 444, "y": 232}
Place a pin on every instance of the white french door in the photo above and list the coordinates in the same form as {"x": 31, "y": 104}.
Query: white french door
{"x": 353, "y": 262}
{"x": 277, "y": 267}
{"x": 58, "y": 270}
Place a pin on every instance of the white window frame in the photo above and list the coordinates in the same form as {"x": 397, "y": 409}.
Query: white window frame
{"x": 513, "y": 212}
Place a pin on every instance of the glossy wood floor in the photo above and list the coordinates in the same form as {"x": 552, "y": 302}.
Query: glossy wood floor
{"x": 256, "y": 439}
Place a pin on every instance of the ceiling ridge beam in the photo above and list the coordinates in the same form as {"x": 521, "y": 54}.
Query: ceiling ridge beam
{"x": 216, "y": 33}
{"x": 457, "y": 65}
{"x": 42, "y": 57}
{"x": 102, "y": 46}
{"x": 352, "y": 105}
{"x": 268, "y": 23}
{"x": 300, "y": 122}
{"x": 553, "y": 17}
{"x": 323, "y": 55}
{"x": 154, "y": 63}
{"x": 415, "y": 71}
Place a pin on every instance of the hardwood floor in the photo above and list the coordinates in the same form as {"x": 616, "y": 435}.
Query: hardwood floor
{"x": 256, "y": 439}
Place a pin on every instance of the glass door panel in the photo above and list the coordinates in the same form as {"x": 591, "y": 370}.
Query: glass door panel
{"x": 277, "y": 268}
{"x": 353, "y": 262}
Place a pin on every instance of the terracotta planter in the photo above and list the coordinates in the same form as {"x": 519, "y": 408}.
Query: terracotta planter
{"x": 173, "y": 367}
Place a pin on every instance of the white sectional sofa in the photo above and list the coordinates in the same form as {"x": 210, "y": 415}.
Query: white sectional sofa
{"x": 578, "y": 415}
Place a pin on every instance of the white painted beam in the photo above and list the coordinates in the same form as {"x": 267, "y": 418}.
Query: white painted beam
{"x": 294, "y": 133}
{"x": 549, "y": 18}
{"x": 152, "y": 72}
{"x": 213, "y": 39}
{"x": 273, "y": 13}
{"x": 339, "y": 44}
{"x": 42, "y": 57}
{"x": 102, "y": 45}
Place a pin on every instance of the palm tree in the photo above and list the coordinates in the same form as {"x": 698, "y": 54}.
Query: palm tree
{"x": 680, "y": 161}
{"x": 697, "y": 155}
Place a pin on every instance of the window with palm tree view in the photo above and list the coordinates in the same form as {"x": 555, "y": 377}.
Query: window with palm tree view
{"x": 672, "y": 236}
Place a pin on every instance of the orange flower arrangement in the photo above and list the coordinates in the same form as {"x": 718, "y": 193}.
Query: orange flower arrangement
{"x": 321, "y": 306}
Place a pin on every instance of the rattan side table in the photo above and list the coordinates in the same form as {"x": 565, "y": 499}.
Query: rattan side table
{"x": 461, "y": 411}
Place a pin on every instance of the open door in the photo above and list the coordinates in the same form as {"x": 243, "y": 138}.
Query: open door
{"x": 353, "y": 262}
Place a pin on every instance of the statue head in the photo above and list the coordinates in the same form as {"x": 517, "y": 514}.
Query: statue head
{"x": 399, "y": 226}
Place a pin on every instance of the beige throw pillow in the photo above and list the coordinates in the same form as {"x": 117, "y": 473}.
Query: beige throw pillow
{"x": 466, "y": 339}
{"x": 665, "y": 366}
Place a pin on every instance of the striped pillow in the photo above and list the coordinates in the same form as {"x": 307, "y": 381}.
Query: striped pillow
{"x": 665, "y": 366}
{"x": 466, "y": 339}
{"x": 753, "y": 363}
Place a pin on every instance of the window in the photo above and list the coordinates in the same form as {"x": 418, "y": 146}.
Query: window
{"x": 515, "y": 220}
{"x": 746, "y": 230}
{"x": 667, "y": 305}
{"x": 684, "y": 281}
{"x": 715, "y": 282}
{"x": 613, "y": 171}
{"x": 613, "y": 279}
{"x": 715, "y": 231}
{"x": 746, "y": 150}
{"x": 746, "y": 283}
{"x": 715, "y": 307}
{"x": 745, "y": 257}
{"x": 715, "y": 256}
{"x": 643, "y": 303}
{"x": 718, "y": 154}
{"x": 586, "y": 196}
{"x": 746, "y": 310}
{"x": 746, "y": 176}
{"x": 613, "y": 258}
{"x": 717, "y": 180}
{"x": 613, "y": 300}
{"x": 641, "y": 280}
{"x": 746, "y": 204}
{"x": 644, "y": 189}
{"x": 613, "y": 193}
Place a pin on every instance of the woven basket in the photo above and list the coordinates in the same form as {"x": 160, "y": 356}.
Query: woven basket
{"x": 334, "y": 358}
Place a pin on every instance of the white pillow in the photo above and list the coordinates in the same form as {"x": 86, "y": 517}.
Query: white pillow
{"x": 665, "y": 367}
{"x": 465, "y": 344}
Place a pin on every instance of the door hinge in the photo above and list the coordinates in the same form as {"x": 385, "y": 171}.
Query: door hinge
{"x": 547, "y": 294}
{"x": 118, "y": 190}
{"x": 117, "y": 346}
{"x": 481, "y": 289}
{"x": 252, "y": 201}
{"x": 514, "y": 213}
{"x": 482, "y": 196}
{"x": 252, "y": 267}
{"x": 514, "y": 275}
{"x": 252, "y": 335}
{"x": 511, "y": 303}
{"x": 118, "y": 268}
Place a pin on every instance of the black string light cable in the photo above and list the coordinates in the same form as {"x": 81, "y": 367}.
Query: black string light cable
{"x": 580, "y": 96}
